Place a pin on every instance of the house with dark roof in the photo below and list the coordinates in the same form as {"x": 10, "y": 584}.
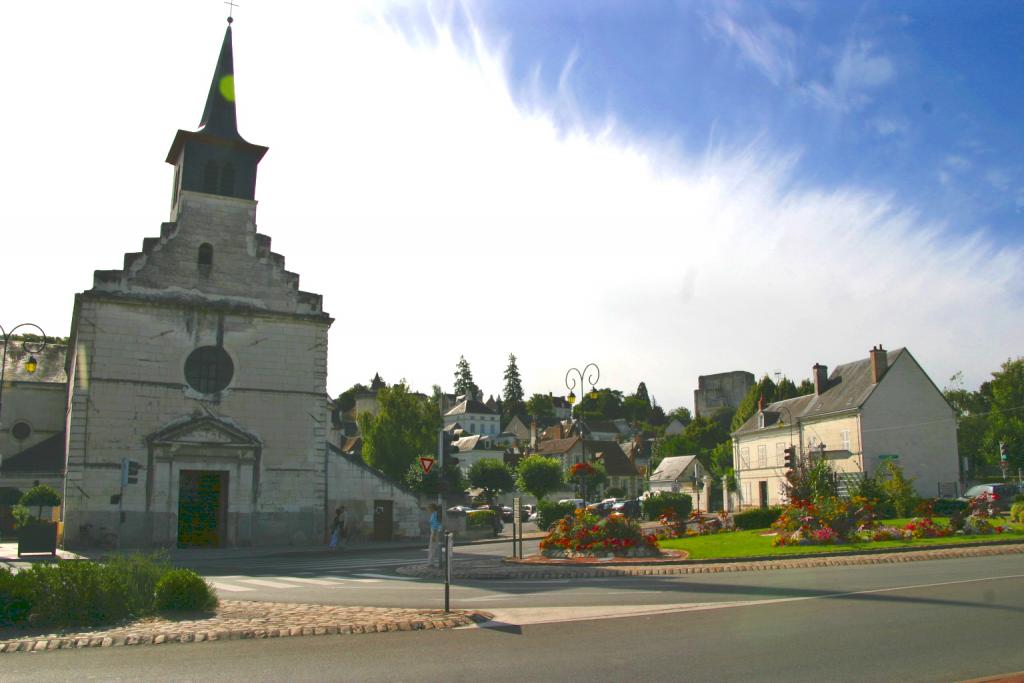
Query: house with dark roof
{"x": 571, "y": 450}
{"x": 879, "y": 409}
{"x": 32, "y": 416}
{"x": 475, "y": 417}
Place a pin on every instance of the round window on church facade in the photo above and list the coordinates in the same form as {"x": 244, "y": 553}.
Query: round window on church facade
{"x": 209, "y": 369}
{"x": 21, "y": 430}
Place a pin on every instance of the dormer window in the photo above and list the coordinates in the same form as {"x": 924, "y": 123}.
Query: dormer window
{"x": 205, "y": 259}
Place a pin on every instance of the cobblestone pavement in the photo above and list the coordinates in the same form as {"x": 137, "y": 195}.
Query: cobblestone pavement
{"x": 237, "y": 620}
{"x": 495, "y": 568}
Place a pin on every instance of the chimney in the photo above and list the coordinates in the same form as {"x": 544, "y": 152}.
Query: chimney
{"x": 879, "y": 363}
{"x": 533, "y": 434}
{"x": 820, "y": 378}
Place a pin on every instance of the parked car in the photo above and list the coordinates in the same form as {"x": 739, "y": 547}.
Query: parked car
{"x": 460, "y": 509}
{"x": 506, "y": 513}
{"x": 578, "y": 502}
{"x": 526, "y": 511}
{"x": 603, "y": 508}
{"x": 1005, "y": 494}
{"x": 629, "y": 508}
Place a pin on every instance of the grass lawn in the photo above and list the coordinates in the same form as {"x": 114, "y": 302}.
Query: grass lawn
{"x": 740, "y": 544}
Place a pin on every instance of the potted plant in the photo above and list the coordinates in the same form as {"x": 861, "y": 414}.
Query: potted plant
{"x": 36, "y": 535}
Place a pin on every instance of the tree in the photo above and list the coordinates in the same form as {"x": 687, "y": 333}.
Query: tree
{"x": 682, "y": 414}
{"x": 491, "y": 475}
{"x": 539, "y": 475}
{"x": 700, "y": 438}
{"x": 1006, "y": 418}
{"x": 404, "y": 428}
{"x": 512, "y": 397}
{"x": 430, "y": 484}
{"x": 464, "y": 384}
{"x": 607, "y": 405}
{"x": 636, "y": 410}
{"x": 540, "y": 405}
{"x": 771, "y": 392}
{"x": 657, "y": 417}
{"x": 972, "y": 416}
{"x": 641, "y": 393}
{"x": 347, "y": 399}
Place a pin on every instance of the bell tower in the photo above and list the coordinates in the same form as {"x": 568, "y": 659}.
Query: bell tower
{"x": 216, "y": 159}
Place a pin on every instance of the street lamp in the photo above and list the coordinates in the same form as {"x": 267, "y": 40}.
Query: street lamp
{"x": 31, "y": 365}
{"x": 589, "y": 375}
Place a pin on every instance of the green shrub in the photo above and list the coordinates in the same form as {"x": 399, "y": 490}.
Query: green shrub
{"x": 480, "y": 519}
{"x": 657, "y": 504}
{"x": 1017, "y": 512}
{"x": 944, "y": 507}
{"x": 133, "y": 578}
{"x": 72, "y": 593}
{"x": 15, "y": 598}
{"x": 184, "y": 590}
{"x": 761, "y": 518}
{"x": 549, "y": 512}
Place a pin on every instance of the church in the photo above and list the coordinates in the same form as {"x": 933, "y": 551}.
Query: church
{"x": 203, "y": 364}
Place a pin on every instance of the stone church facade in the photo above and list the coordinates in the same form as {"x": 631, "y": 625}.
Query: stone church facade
{"x": 202, "y": 361}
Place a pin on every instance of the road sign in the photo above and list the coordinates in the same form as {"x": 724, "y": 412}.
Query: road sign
{"x": 888, "y": 457}
{"x": 426, "y": 464}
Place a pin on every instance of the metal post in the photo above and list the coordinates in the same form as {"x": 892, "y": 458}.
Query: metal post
{"x": 449, "y": 545}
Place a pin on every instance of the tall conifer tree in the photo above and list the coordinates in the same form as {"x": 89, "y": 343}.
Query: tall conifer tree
{"x": 512, "y": 397}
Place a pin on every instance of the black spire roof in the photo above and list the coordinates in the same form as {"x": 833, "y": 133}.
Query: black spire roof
{"x": 219, "y": 114}
{"x": 216, "y": 159}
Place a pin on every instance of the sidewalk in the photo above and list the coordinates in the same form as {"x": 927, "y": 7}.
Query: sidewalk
{"x": 9, "y": 551}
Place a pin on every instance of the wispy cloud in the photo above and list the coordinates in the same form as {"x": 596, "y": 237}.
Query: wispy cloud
{"x": 886, "y": 126}
{"x": 766, "y": 44}
{"x": 858, "y": 71}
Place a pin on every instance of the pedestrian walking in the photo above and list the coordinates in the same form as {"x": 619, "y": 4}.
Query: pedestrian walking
{"x": 433, "y": 549}
{"x": 338, "y": 535}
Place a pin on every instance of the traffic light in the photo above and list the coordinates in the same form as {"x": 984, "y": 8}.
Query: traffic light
{"x": 789, "y": 459}
{"x": 1004, "y": 454}
{"x": 448, "y": 447}
{"x": 129, "y": 472}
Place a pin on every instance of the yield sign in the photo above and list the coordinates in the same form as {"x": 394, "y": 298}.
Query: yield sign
{"x": 426, "y": 463}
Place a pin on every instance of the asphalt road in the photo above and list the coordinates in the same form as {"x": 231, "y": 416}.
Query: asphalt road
{"x": 922, "y": 621}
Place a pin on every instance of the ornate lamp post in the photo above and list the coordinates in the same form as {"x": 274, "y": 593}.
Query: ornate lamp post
{"x": 31, "y": 347}
{"x": 589, "y": 375}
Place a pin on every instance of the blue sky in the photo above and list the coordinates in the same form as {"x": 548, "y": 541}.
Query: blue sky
{"x": 920, "y": 99}
{"x": 665, "y": 189}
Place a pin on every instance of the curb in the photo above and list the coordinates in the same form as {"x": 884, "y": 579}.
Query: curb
{"x": 498, "y": 572}
{"x": 164, "y": 636}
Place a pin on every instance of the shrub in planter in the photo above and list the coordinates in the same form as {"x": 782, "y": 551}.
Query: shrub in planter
{"x": 549, "y": 512}
{"x": 658, "y": 504}
{"x": 756, "y": 519}
{"x": 184, "y": 590}
{"x": 15, "y": 598}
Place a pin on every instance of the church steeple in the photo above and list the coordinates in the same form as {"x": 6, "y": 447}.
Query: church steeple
{"x": 216, "y": 159}
{"x": 219, "y": 114}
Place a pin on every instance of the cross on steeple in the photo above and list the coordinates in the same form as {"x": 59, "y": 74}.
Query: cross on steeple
{"x": 231, "y": 10}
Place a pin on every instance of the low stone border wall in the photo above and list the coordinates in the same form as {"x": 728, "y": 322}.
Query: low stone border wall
{"x": 498, "y": 569}
{"x": 240, "y": 620}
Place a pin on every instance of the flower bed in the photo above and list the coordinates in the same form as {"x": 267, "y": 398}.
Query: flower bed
{"x": 587, "y": 535}
{"x": 834, "y": 521}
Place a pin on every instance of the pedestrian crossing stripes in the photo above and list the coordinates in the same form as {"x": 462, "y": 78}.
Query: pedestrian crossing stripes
{"x": 242, "y": 584}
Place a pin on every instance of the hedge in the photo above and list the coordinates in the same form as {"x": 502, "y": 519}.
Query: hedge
{"x": 760, "y": 518}
{"x": 944, "y": 507}
{"x": 657, "y": 504}
{"x": 549, "y": 512}
{"x": 84, "y": 593}
{"x": 182, "y": 590}
{"x": 480, "y": 519}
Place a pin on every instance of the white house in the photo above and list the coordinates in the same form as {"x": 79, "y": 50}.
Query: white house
{"x": 475, "y": 418}
{"x": 883, "y": 408}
